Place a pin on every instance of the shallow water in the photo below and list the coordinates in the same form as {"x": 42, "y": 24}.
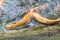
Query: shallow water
{"x": 12, "y": 9}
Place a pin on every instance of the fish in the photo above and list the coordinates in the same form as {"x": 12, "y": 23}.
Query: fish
{"x": 24, "y": 20}
{"x": 43, "y": 20}
{"x": 37, "y": 17}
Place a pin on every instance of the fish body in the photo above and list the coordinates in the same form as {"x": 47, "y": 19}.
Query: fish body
{"x": 25, "y": 19}
{"x": 41, "y": 19}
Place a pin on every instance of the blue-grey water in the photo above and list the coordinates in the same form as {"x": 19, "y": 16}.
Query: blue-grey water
{"x": 12, "y": 9}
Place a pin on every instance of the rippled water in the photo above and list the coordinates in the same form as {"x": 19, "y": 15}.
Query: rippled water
{"x": 10, "y": 13}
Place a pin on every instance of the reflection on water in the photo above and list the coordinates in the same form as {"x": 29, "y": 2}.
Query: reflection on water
{"x": 13, "y": 8}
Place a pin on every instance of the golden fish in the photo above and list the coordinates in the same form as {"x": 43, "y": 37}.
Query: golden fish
{"x": 41, "y": 19}
{"x": 19, "y": 23}
{"x": 26, "y": 18}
